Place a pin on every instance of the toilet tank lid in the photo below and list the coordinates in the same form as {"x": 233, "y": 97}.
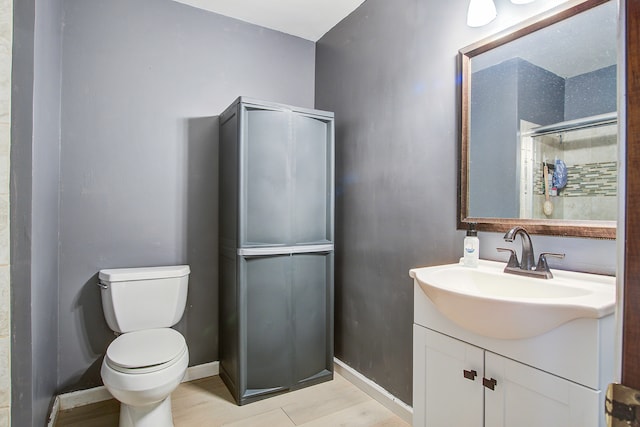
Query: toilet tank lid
{"x": 143, "y": 273}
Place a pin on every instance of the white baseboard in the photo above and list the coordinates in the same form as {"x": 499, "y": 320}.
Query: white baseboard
{"x": 378, "y": 393}
{"x": 99, "y": 394}
{"x": 201, "y": 371}
{"x": 83, "y": 397}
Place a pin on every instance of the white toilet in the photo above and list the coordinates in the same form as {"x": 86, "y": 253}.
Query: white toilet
{"x": 145, "y": 364}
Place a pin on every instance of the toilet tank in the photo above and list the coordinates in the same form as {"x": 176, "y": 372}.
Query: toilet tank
{"x": 143, "y": 298}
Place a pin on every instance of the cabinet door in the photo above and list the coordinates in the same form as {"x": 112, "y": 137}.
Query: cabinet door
{"x": 527, "y": 397}
{"x": 443, "y": 395}
{"x": 266, "y": 319}
{"x": 312, "y": 321}
{"x": 265, "y": 199}
{"x": 312, "y": 179}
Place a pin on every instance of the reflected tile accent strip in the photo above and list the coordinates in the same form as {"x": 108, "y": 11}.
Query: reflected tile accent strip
{"x": 589, "y": 179}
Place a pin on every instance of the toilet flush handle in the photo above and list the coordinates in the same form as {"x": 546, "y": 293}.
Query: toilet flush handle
{"x": 102, "y": 284}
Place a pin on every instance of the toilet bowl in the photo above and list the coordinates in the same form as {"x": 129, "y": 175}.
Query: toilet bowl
{"x": 143, "y": 366}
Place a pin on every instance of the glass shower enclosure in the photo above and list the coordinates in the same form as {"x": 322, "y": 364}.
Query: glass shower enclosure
{"x": 588, "y": 148}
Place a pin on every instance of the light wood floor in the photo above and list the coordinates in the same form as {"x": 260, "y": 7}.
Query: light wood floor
{"x": 207, "y": 402}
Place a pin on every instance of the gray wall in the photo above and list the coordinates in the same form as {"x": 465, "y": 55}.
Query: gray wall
{"x": 34, "y": 204}
{"x": 591, "y": 93}
{"x": 388, "y": 71}
{"x": 540, "y": 95}
{"x": 142, "y": 83}
{"x": 46, "y": 176}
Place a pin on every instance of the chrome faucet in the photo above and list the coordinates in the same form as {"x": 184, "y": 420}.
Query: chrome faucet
{"x": 527, "y": 262}
{"x": 527, "y": 266}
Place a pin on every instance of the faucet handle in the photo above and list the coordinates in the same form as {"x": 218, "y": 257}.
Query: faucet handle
{"x": 544, "y": 255}
{"x": 542, "y": 261}
{"x": 553, "y": 254}
{"x": 513, "y": 259}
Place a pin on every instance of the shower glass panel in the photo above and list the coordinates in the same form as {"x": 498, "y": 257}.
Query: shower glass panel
{"x": 589, "y": 154}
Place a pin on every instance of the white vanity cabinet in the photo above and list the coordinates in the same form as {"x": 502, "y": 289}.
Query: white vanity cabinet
{"x": 557, "y": 378}
{"x": 459, "y": 384}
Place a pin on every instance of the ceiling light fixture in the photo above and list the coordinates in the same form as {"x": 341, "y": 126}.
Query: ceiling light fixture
{"x": 481, "y": 12}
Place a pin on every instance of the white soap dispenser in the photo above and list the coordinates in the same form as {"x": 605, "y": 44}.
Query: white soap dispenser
{"x": 471, "y": 247}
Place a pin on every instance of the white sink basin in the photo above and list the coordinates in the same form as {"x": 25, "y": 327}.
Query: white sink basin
{"x": 489, "y": 302}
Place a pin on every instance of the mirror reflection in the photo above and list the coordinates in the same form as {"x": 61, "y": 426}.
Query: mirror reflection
{"x": 541, "y": 136}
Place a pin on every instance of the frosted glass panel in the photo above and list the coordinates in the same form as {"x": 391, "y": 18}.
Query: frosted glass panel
{"x": 311, "y": 192}
{"x": 310, "y": 314}
{"x": 267, "y": 177}
{"x": 269, "y": 355}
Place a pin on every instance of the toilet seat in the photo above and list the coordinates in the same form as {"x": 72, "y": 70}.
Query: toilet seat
{"x": 145, "y": 351}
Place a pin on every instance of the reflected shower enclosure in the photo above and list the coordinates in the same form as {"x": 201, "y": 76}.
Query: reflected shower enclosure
{"x": 588, "y": 149}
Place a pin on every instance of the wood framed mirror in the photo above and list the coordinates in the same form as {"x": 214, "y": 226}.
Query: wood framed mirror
{"x": 538, "y": 135}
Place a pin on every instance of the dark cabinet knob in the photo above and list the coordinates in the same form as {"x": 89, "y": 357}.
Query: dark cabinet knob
{"x": 470, "y": 375}
{"x": 490, "y": 384}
